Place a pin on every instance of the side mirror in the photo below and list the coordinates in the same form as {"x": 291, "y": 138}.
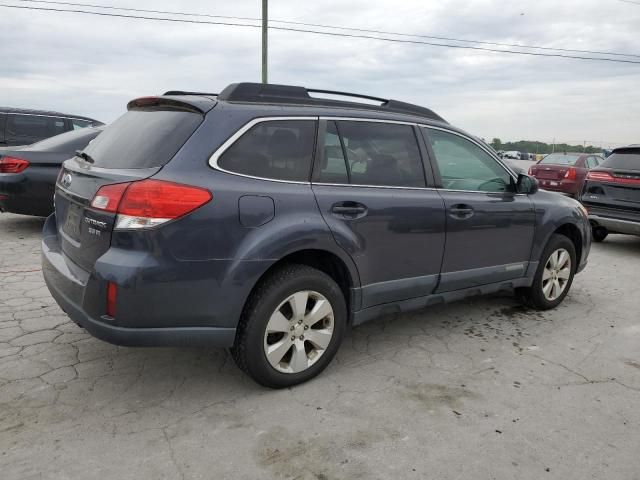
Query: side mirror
{"x": 526, "y": 184}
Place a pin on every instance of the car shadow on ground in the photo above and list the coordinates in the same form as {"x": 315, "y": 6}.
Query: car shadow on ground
{"x": 23, "y": 224}
{"x": 622, "y": 244}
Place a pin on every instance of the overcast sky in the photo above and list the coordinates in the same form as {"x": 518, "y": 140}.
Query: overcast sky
{"x": 93, "y": 65}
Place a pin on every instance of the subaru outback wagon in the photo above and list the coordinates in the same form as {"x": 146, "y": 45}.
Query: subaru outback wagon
{"x": 269, "y": 220}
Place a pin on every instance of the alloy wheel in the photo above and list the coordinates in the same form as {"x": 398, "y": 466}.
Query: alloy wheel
{"x": 298, "y": 332}
{"x": 556, "y": 274}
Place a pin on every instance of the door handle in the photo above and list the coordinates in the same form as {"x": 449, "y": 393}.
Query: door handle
{"x": 461, "y": 211}
{"x": 349, "y": 209}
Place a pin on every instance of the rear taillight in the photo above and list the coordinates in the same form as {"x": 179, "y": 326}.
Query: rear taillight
{"x": 112, "y": 296}
{"x": 571, "y": 174}
{"x": 148, "y": 203}
{"x": 12, "y": 165}
{"x": 617, "y": 178}
{"x": 530, "y": 172}
{"x": 600, "y": 176}
{"x": 108, "y": 197}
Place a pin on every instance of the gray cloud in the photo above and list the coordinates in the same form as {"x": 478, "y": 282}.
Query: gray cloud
{"x": 93, "y": 66}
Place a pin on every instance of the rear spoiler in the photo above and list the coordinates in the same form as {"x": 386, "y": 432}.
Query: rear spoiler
{"x": 194, "y": 104}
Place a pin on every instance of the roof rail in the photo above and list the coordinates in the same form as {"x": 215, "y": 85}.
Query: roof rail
{"x": 287, "y": 94}
{"x": 181, "y": 92}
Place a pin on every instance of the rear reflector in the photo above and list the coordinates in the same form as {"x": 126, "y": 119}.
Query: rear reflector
{"x": 148, "y": 203}
{"x": 607, "y": 177}
{"x": 12, "y": 165}
{"x": 112, "y": 295}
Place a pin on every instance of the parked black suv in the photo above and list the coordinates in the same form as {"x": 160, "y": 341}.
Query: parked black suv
{"x": 611, "y": 193}
{"x": 19, "y": 126}
{"x": 269, "y": 221}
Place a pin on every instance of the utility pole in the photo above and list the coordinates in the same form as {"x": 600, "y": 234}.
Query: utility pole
{"x": 553, "y": 148}
{"x": 265, "y": 27}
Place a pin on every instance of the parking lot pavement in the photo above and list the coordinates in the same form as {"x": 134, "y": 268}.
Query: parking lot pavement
{"x": 478, "y": 389}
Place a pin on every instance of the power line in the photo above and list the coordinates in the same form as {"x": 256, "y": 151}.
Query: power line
{"x": 331, "y": 34}
{"x": 363, "y": 30}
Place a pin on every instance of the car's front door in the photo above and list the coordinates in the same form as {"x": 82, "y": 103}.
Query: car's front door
{"x": 490, "y": 228}
{"x": 370, "y": 185}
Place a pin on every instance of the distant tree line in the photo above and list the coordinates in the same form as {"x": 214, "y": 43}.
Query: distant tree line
{"x": 530, "y": 146}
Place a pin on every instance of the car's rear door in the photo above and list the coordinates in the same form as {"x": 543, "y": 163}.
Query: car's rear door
{"x": 370, "y": 185}
{"x": 489, "y": 227}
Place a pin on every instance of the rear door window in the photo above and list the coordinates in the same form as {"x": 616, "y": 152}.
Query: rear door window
{"x": 275, "y": 149}
{"x": 371, "y": 153}
{"x": 3, "y": 121}
{"x": 143, "y": 138}
{"x": 33, "y": 127}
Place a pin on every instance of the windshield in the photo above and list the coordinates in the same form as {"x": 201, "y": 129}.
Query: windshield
{"x": 560, "y": 159}
{"x": 66, "y": 142}
{"x": 626, "y": 160}
{"x": 143, "y": 138}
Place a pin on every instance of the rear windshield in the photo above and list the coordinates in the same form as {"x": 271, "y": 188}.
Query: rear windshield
{"x": 624, "y": 161}
{"x": 560, "y": 159}
{"x": 143, "y": 138}
{"x": 66, "y": 142}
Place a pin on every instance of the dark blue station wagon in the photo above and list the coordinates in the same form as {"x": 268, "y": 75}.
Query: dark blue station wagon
{"x": 268, "y": 220}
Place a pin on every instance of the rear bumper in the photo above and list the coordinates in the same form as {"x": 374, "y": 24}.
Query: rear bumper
{"x": 20, "y": 193}
{"x": 69, "y": 285}
{"x": 616, "y": 225}
{"x": 561, "y": 186}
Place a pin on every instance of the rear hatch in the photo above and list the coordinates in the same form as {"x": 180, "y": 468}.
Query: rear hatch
{"x": 554, "y": 166}
{"x": 134, "y": 147}
{"x": 615, "y": 184}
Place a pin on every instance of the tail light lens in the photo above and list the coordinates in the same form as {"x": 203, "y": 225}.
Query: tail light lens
{"x": 148, "y": 203}
{"x": 530, "y": 172}
{"x": 112, "y": 296}
{"x": 571, "y": 174}
{"x": 600, "y": 176}
{"x": 618, "y": 179}
{"x": 12, "y": 165}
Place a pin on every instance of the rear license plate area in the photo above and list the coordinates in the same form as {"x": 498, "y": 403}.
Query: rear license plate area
{"x": 71, "y": 224}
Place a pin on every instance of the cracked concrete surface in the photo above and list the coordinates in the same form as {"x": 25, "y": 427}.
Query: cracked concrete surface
{"x": 478, "y": 389}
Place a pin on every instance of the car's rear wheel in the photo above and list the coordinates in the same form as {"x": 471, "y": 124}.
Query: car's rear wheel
{"x": 599, "y": 233}
{"x": 554, "y": 276}
{"x": 291, "y": 327}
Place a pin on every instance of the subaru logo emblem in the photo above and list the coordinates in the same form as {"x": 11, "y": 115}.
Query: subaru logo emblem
{"x": 66, "y": 180}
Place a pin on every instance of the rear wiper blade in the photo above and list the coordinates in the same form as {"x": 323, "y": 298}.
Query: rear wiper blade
{"x": 85, "y": 156}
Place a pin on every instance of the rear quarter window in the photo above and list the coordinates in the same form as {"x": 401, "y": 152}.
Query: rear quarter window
{"x": 275, "y": 149}
{"x": 143, "y": 138}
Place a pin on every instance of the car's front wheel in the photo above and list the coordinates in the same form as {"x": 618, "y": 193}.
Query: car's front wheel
{"x": 291, "y": 327}
{"x": 554, "y": 276}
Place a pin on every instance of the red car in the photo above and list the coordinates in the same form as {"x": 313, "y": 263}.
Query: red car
{"x": 564, "y": 172}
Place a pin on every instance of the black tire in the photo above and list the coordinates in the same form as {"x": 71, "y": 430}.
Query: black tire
{"x": 533, "y": 296}
{"x": 248, "y": 350}
{"x": 598, "y": 234}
